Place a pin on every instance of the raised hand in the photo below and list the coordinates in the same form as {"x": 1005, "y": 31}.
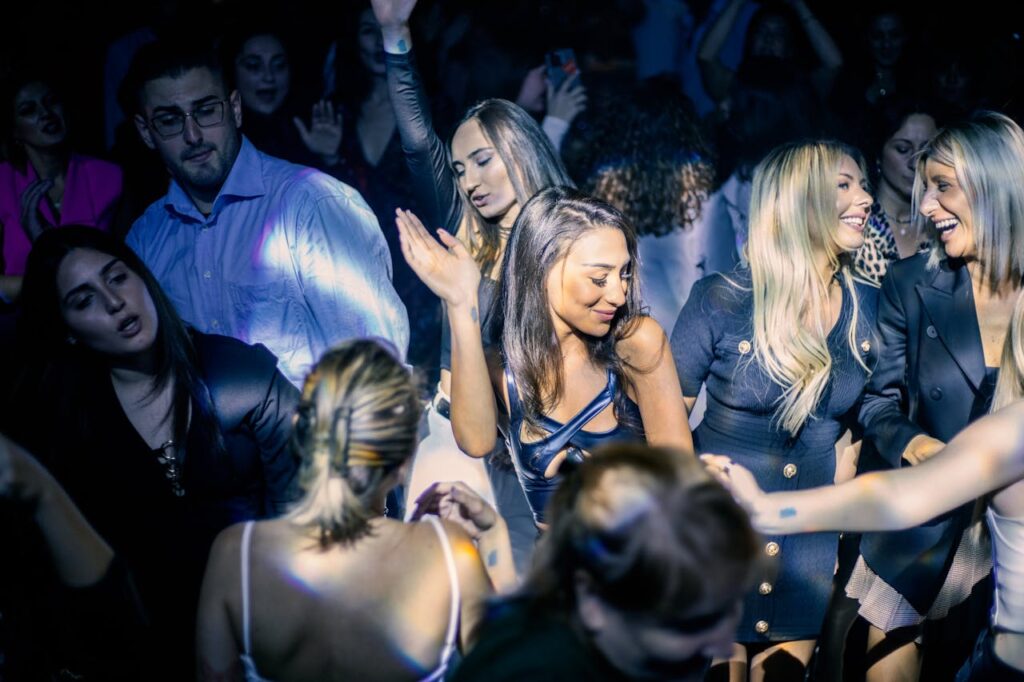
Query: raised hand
{"x": 323, "y": 136}
{"x": 456, "y": 502}
{"x": 568, "y": 101}
{"x": 533, "y": 89}
{"x": 32, "y": 220}
{"x": 393, "y": 13}
{"x": 449, "y": 270}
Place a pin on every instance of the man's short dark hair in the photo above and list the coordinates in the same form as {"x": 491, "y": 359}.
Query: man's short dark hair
{"x": 171, "y": 58}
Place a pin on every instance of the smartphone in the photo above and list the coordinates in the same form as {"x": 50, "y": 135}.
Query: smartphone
{"x": 561, "y": 64}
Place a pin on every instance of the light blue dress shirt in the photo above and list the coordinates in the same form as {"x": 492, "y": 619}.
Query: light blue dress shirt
{"x": 289, "y": 257}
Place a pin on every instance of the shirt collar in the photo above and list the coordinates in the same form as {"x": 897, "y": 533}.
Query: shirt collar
{"x": 244, "y": 181}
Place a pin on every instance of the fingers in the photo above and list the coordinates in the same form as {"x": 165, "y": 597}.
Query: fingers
{"x": 452, "y": 242}
{"x": 34, "y": 192}
{"x": 411, "y": 229}
{"x": 570, "y": 83}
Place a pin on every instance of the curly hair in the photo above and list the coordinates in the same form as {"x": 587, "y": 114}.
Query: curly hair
{"x": 650, "y": 159}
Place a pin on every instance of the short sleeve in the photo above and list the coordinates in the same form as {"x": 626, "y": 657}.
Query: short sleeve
{"x": 693, "y": 338}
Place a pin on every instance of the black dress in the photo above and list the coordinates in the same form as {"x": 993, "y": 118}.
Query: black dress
{"x": 712, "y": 343}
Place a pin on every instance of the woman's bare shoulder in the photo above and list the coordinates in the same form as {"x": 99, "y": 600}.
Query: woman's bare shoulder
{"x": 645, "y": 346}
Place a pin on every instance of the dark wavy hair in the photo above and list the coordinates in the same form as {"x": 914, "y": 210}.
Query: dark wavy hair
{"x": 531, "y": 160}
{"x": 649, "y": 159}
{"x": 61, "y": 372}
{"x": 651, "y": 555}
{"x": 543, "y": 233}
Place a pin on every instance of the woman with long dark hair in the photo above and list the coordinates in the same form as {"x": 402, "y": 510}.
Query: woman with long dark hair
{"x": 475, "y": 187}
{"x": 161, "y": 435}
{"x": 575, "y": 349}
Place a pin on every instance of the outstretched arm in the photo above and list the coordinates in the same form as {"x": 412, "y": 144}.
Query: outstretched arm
{"x": 822, "y": 44}
{"x": 454, "y": 277}
{"x": 986, "y": 456}
{"x": 80, "y": 556}
{"x": 425, "y": 154}
{"x": 716, "y": 76}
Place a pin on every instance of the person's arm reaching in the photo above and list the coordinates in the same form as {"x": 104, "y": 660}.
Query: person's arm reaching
{"x": 425, "y": 154}
{"x": 80, "y": 556}
{"x": 986, "y": 456}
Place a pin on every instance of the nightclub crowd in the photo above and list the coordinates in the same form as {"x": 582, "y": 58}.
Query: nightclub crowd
{"x": 460, "y": 340}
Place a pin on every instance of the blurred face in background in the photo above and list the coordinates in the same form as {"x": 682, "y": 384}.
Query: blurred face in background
{"x": 39, "y": 116}
{"x": 886, "y": 39}
{"x": 899, "y": 153}
{"x": 263, "y": 74}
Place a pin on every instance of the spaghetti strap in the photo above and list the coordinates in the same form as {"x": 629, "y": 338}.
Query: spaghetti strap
{"x": 249, "y": 672}
{"x": 453, "y": 616}
{"x": 246, "y": 635}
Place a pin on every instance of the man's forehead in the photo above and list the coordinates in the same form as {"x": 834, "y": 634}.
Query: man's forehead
{"x": 184, "y": 90}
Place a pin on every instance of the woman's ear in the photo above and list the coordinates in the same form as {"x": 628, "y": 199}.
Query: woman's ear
{"x": 589, "y": 606}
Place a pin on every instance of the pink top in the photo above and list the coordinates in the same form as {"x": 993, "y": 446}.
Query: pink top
{"x": 91, "y": 190}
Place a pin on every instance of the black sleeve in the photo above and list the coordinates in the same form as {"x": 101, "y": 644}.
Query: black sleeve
{"x": 882, "y": 412}
{"x": 271, "y": 424}
{"x": 425, "y": 154}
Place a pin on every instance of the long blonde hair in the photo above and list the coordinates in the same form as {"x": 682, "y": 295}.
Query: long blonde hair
{"x": 793, "y": 217}
{"x": 358, "y": 421}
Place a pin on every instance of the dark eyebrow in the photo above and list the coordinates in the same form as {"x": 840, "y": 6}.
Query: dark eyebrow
{"x": 84, "y": 287}
{"x": 173, "y": 108}
{"x": 481, "y": 149}
{"x": 605, "y": 266}
{"x": 846, "y": 175}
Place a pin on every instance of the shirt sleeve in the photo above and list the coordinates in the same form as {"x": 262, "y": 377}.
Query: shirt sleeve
{"x": 344, "y": 271}
{"x": 693, "y": 346}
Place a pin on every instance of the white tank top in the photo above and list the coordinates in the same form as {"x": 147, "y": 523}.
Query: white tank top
{"x": 1008, "y": 570}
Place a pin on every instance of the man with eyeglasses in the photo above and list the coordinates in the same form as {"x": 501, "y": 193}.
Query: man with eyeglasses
{"x": 247, "y": 245}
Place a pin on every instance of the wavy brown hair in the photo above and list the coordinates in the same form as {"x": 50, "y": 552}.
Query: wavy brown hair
{"x": 649, "y": 159}
{"x": 544, "y": 232}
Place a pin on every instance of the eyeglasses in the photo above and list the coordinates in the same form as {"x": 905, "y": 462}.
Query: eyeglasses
{"x": 172, "y": 123}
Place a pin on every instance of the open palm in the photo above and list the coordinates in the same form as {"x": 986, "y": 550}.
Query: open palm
{"x": 448, "y": 270}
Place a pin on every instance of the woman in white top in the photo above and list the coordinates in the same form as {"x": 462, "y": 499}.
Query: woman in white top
{"x": 986, "y": 460}
{"x": 334, "y": 590}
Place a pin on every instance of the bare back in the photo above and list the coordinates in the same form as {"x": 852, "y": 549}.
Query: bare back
{"x": 376, "y": 610}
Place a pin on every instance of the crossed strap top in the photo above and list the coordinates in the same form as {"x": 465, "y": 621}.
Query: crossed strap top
{"x": 532, "y": 459}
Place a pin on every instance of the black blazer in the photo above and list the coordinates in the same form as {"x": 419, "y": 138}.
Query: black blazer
{"x": 929, "y": 379}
